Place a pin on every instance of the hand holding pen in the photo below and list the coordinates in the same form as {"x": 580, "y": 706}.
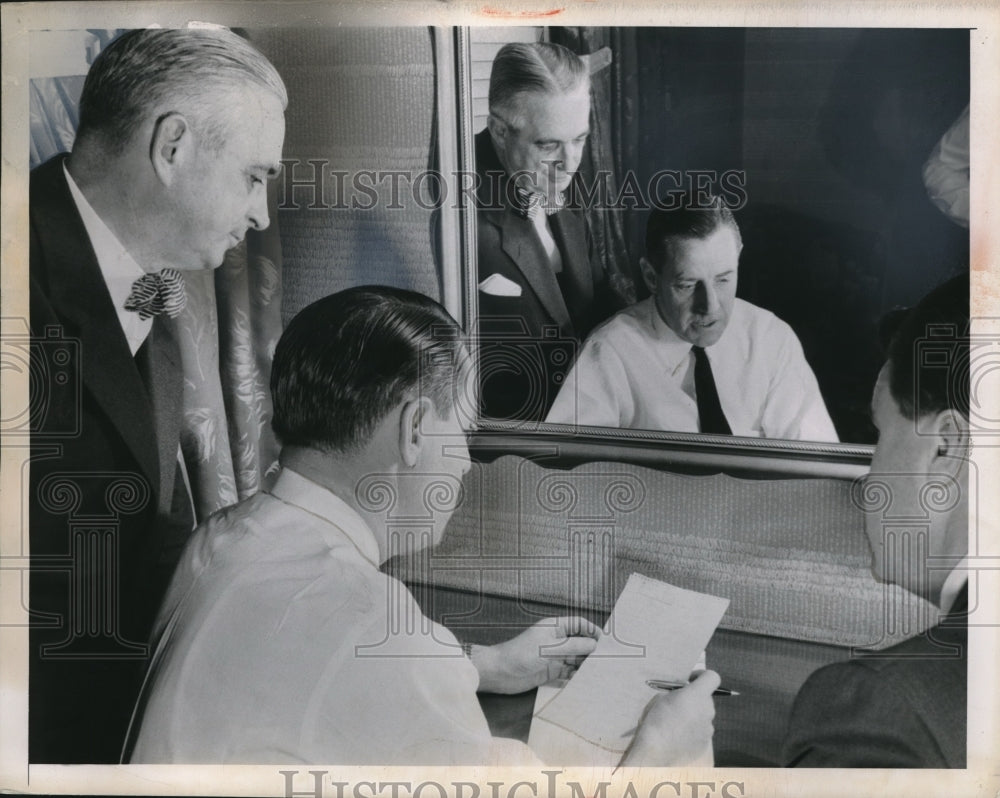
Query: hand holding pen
{"x": 676, "y": 726}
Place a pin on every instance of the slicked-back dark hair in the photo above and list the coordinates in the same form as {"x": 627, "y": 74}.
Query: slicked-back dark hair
{"x": 928, "y": 352}
{"x": 348, "y": 359}
{"x": 692, "y": 219}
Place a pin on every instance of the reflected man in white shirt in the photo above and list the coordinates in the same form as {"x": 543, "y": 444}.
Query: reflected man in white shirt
{"x": 281, "y": 640}
{"x": 693, "y": 357}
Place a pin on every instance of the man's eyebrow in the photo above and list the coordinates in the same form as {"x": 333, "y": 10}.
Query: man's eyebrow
{"x": 551, "y": 140}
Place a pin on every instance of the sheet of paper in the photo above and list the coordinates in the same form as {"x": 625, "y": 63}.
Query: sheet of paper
{"x": 656, "y": 631}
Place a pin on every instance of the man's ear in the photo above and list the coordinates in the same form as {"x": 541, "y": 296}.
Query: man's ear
{"x": 411, "y": 433}
{"x": 649, "y": 275}
{"x": 172, "y": 144}
{"x": 951, "y": 430}
{"x": 498, "y": 132}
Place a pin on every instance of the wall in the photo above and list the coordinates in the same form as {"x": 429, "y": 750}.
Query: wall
{"x": 359, "y": 99}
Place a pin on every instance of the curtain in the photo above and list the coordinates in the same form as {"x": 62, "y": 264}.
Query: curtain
{"x": 613, "y": 144}
{"x": 53, "y": 116}
{"x": 228, "y": 330}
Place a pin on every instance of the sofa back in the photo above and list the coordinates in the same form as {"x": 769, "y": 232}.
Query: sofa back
{"x": 789, "y": 554}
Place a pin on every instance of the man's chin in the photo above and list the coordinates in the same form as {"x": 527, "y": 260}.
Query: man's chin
{"x": 705, "y": 336}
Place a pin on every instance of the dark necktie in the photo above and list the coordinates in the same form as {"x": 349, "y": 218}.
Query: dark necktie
{"x": 711, "y": 419}
{"x": 157, "y": 294}
{"x": 158, "y": 361}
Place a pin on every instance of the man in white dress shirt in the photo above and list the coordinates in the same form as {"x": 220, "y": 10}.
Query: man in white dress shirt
{"x": 693, "y": 357}
{"x": 281, "y": 640}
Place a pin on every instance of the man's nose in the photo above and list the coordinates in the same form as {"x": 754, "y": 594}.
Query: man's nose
{"x": 570, "y": 154}
{"x": 257, "y": 215}
{"x": 706, "y": 299}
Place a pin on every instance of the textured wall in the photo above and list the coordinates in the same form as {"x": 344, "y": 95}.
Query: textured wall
{"x": 359, "y": 99}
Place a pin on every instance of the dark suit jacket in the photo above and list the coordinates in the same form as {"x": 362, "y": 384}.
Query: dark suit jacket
{"x": 97, "y": 513}
{"x": 528, "y": 342}
{"x": 904, "y": 709}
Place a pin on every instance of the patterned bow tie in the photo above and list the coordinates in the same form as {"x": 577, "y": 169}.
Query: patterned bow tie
{"x": 530, "y": 203}
{"x": 157, "y": 294}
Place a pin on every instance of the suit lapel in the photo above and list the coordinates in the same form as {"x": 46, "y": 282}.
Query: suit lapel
{"x": 519, "y": 242}
{"x": 79, "y": 297}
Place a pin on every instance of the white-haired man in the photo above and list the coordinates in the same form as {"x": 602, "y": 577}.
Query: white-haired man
{"x": 179, "y": 132}
{"x": 541, "y": 288}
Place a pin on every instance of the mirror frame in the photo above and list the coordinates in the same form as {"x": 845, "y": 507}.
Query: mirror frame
{"x": 567, "y": 445}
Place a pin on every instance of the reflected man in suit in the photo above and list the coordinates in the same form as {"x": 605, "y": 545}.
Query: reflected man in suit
{"x": 179, "y": 132}
{"x": 906, "y": 706}
{"x": 541, "y": 287}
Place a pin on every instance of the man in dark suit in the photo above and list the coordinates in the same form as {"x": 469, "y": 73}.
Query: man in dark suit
{"x": 179, "y": 132}
{"x": 541, "y": 287}
{"x": 906, "y": 706}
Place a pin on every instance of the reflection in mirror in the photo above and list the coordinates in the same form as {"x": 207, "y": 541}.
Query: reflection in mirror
{"x": 822, "y": 142}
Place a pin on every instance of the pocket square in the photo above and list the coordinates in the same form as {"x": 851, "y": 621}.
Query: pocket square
{"x": 498, "y": 285}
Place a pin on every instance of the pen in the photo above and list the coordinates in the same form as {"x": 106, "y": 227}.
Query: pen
{"x": 659, "y": 684}
{"x": 665, "y": 686}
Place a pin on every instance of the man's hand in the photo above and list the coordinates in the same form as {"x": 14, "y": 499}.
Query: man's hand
{"x": 676, "y": 727}
{"x": 551, "y": 649}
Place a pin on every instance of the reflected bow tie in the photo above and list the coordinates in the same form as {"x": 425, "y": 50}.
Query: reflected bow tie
{"x": 157, "y": 294}
{"x": 530, "y": 203}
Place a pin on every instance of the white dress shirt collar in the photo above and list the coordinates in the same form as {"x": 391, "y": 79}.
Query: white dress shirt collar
{"x": 676, "y": 351}
{"x": 295, "y": 489}
{"x": 117, "y": 266}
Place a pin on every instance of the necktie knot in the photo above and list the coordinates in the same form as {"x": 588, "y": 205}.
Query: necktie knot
{"x": 157, "y": 294}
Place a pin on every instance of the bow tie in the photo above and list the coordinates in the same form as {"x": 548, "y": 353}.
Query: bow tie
{"x": 157, "y": 294}
{"x": 528, "y": 204}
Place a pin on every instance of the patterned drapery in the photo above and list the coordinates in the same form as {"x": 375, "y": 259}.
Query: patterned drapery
{"x": 228, "y": 330}
{"x": 612, "y": 146}
{"x": 228, "y": 333}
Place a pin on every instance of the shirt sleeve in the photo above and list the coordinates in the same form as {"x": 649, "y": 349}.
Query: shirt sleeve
{"x": 848, "y": 715}
{"x": 795, "y": 409}
{"x": 402, "y": 693}
{"x": 596, "y": 391}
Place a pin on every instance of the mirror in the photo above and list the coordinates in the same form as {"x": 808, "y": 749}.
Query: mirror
{"x": 815, "y": 138}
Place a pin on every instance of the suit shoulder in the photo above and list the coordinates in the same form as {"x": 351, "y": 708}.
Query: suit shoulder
{"x": 907, "y": 707}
